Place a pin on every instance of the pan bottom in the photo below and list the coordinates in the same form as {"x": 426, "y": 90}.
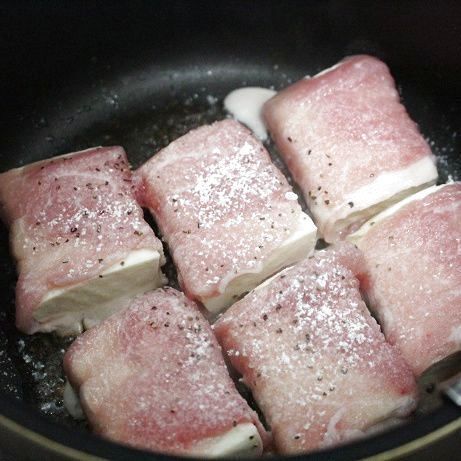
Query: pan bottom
{"x": 144, "y": 112}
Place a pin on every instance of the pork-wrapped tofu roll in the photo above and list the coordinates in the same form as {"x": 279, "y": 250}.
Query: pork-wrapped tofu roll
{"x": 313, "y": 356}
{"x": 153, "y": 377}
{"x": 349, "y": 143}
{"x": 228, "y": 214}
{"x": 79, "y": 239}
{"x": 413, "y": 255}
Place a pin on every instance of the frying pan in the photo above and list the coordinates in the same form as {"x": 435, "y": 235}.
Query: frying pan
{"x": 140, "y": 74}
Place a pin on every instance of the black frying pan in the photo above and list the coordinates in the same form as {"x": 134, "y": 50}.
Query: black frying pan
{"x": 141, "y": 73}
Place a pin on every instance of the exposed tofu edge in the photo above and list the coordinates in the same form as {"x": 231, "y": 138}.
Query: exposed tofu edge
{"x": 72, "y": 402}
{"x": 70, "y": 310}
{"x": 241, "y": 441}
{"x": 329, "y": 69}
{"x": 297, "y": 246}
{"x": 386, "y": 189}
{"x": 397, "y": 417}
{"x": 275, "y": 276}
{"x": 403, "y": 407}
{"x": 360, "y": 233}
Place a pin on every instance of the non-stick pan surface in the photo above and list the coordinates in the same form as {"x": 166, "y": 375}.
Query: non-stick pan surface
{"x": 140, "y": 74}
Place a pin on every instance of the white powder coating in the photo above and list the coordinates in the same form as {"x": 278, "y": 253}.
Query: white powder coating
{"x": 312, "y": 355}
{"x": 455, "y": 335}
{"x": 349, "y": 143}
{"x": 216, "y": 199}
{"x": 76, "y": 219}
{"x": 225, "y": 211}
{"x": 153, "y": 377}
{"x": 245, "y": 105}
{"x": 412, "y": 251}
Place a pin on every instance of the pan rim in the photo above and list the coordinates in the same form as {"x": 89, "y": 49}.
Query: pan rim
{"x": 20, "y": 419}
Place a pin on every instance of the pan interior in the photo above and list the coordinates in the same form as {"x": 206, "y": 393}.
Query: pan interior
{"x": 144, "y": 110}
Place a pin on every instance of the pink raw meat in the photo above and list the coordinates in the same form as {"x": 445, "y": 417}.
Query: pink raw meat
{"x": 349, "y": 143}
{"x": 413, "y": 255}
{"x": 314, "y": 358}
{"x": 70, "y": 219}
{"x": 153, "y": 377}
{"x": 225, "y": 211}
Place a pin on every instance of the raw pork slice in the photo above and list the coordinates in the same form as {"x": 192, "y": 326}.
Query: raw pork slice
{"x": 349, "y": 143}
{"x": 79, "y": 239}
{"x": 413, "y": 253}
{"x": 228, "y": 214}
{"x": 312, "y": 355}
{"x": 153, "y": 377}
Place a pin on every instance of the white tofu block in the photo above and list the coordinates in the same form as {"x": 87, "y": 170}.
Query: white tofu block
{"x": 387, "y": 189}
{"x": 361, "y": 232}
{"x": 71, "y": 310}
{"x": 242, "y": 441}
{"x": 298, "y": 246}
